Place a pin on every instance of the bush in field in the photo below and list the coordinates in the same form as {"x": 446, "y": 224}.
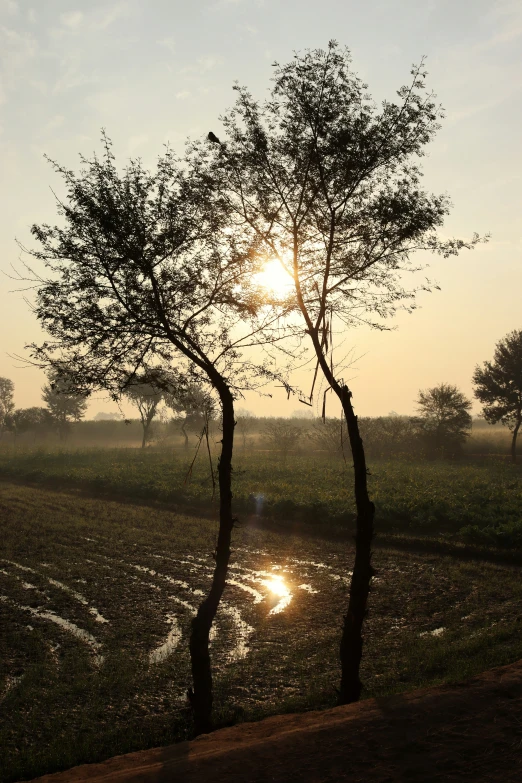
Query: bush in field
{"x": 391, "y": 436}
{"x": 444, "y": 422}
{"x": 329, "y": 435}
{"x": 498, "y": 385}
{"x": 282, "y": 435}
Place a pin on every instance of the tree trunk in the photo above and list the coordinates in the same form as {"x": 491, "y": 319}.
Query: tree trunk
{"x": 184, "y": 431}
{"x": 200, "y": 695}
{"x": 352, "y": 638}
{"x": 514, "y": 443}
{"x": 145, "y": 433}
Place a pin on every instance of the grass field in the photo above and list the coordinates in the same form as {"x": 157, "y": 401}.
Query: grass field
{"x": 479, "y": 503}
{"x": 96, "y": 597}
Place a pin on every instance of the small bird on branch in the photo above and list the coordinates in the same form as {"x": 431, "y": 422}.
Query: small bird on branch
{"x": 213, "y": 138}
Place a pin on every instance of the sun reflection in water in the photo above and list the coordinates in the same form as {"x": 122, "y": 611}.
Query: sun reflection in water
{"x": 276, "y": 585}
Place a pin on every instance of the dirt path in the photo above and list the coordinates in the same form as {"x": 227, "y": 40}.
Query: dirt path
{"x": 468, "y": 732}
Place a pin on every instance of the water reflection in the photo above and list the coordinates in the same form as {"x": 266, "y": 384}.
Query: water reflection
{"x": 276, "y": 584}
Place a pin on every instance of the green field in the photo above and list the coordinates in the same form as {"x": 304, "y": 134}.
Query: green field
{"x": 102, "y": 567}
{"x": 476, "y": 503}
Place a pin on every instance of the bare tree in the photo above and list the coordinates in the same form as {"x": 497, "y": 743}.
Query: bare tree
{"x": 147, "y": 271}
{"x": 329, "y": 184}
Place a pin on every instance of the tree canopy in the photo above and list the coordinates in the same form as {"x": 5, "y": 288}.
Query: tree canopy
{"x": 330, "y": 186}
{"x": 444, "y": 418}
{"x": 6, "y": 402}
{"x": 64, "y": 405}
{"x": 498, "y": 385}
{"x": 148, "y": 273}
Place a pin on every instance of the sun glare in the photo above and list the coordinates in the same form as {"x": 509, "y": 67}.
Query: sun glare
{"x": 274, "y": 279}
{"x": 277, "y": 586}
{"x": 280, "y": 590}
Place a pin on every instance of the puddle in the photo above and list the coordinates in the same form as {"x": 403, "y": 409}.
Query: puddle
{"x": 192, "y": 609}
{"x": 257, "y": 595}
{"x": 21, "y": 567}
{"x": 46, "y": 614}
{"x": 436, "y": 632}
{"x": 152, "y": 572}
{"x": 243, "y": 631}
{"x": 78, "y": 597}
{"x": 346, "y": 580}
{"x": 97, "y": 616}
{"x": 10, "y": 684}
{"x": 308, "y": 588}
{"x": 309, "y": 562}
{"x": 162, "y": 652}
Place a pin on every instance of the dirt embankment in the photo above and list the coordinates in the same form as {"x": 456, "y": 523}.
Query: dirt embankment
{"x": 467, "y": 732}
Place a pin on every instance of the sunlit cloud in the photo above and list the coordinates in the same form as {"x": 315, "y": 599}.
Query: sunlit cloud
{"x": 203, "y": 65}
{"x": 169, "y": 43}
{"x": 72, "y": 20}
{"x": 9, "y": 6}
{"x": 111, "y": 15}
{"x": 17, "y": 49}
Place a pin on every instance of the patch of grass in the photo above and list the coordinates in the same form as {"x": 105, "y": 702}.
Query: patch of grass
{"x": 141, "y": 565}
{"x": 479, "y": 504}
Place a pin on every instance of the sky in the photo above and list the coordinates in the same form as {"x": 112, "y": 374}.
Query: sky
{"x": 163, "y": 71}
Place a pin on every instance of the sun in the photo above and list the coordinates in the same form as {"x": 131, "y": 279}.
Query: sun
{"x": 274, "y": 279}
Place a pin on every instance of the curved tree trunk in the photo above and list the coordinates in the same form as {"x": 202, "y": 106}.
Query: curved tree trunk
{"x": 184, "y": 431}
{"x": 200, "y": 695}
{"x": 514, "y": 443}
{"x": 352, "y": 638}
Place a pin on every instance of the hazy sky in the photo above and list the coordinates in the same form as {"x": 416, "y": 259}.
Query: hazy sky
{"x": 162, "y": 70}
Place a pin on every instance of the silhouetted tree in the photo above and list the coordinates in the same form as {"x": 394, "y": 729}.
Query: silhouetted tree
{"x": 146, "y": 397}
{"x": 329, "y": 184}
{"x": 498, "y": 386}
{"x": 147, "y": 270}
{"x": 64, "y": 405}
{"x": 444, "y": 420}
{"x": 192, "y": 406}
{"x": 6, "y": 403}
{"x": 37, "y": 420}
